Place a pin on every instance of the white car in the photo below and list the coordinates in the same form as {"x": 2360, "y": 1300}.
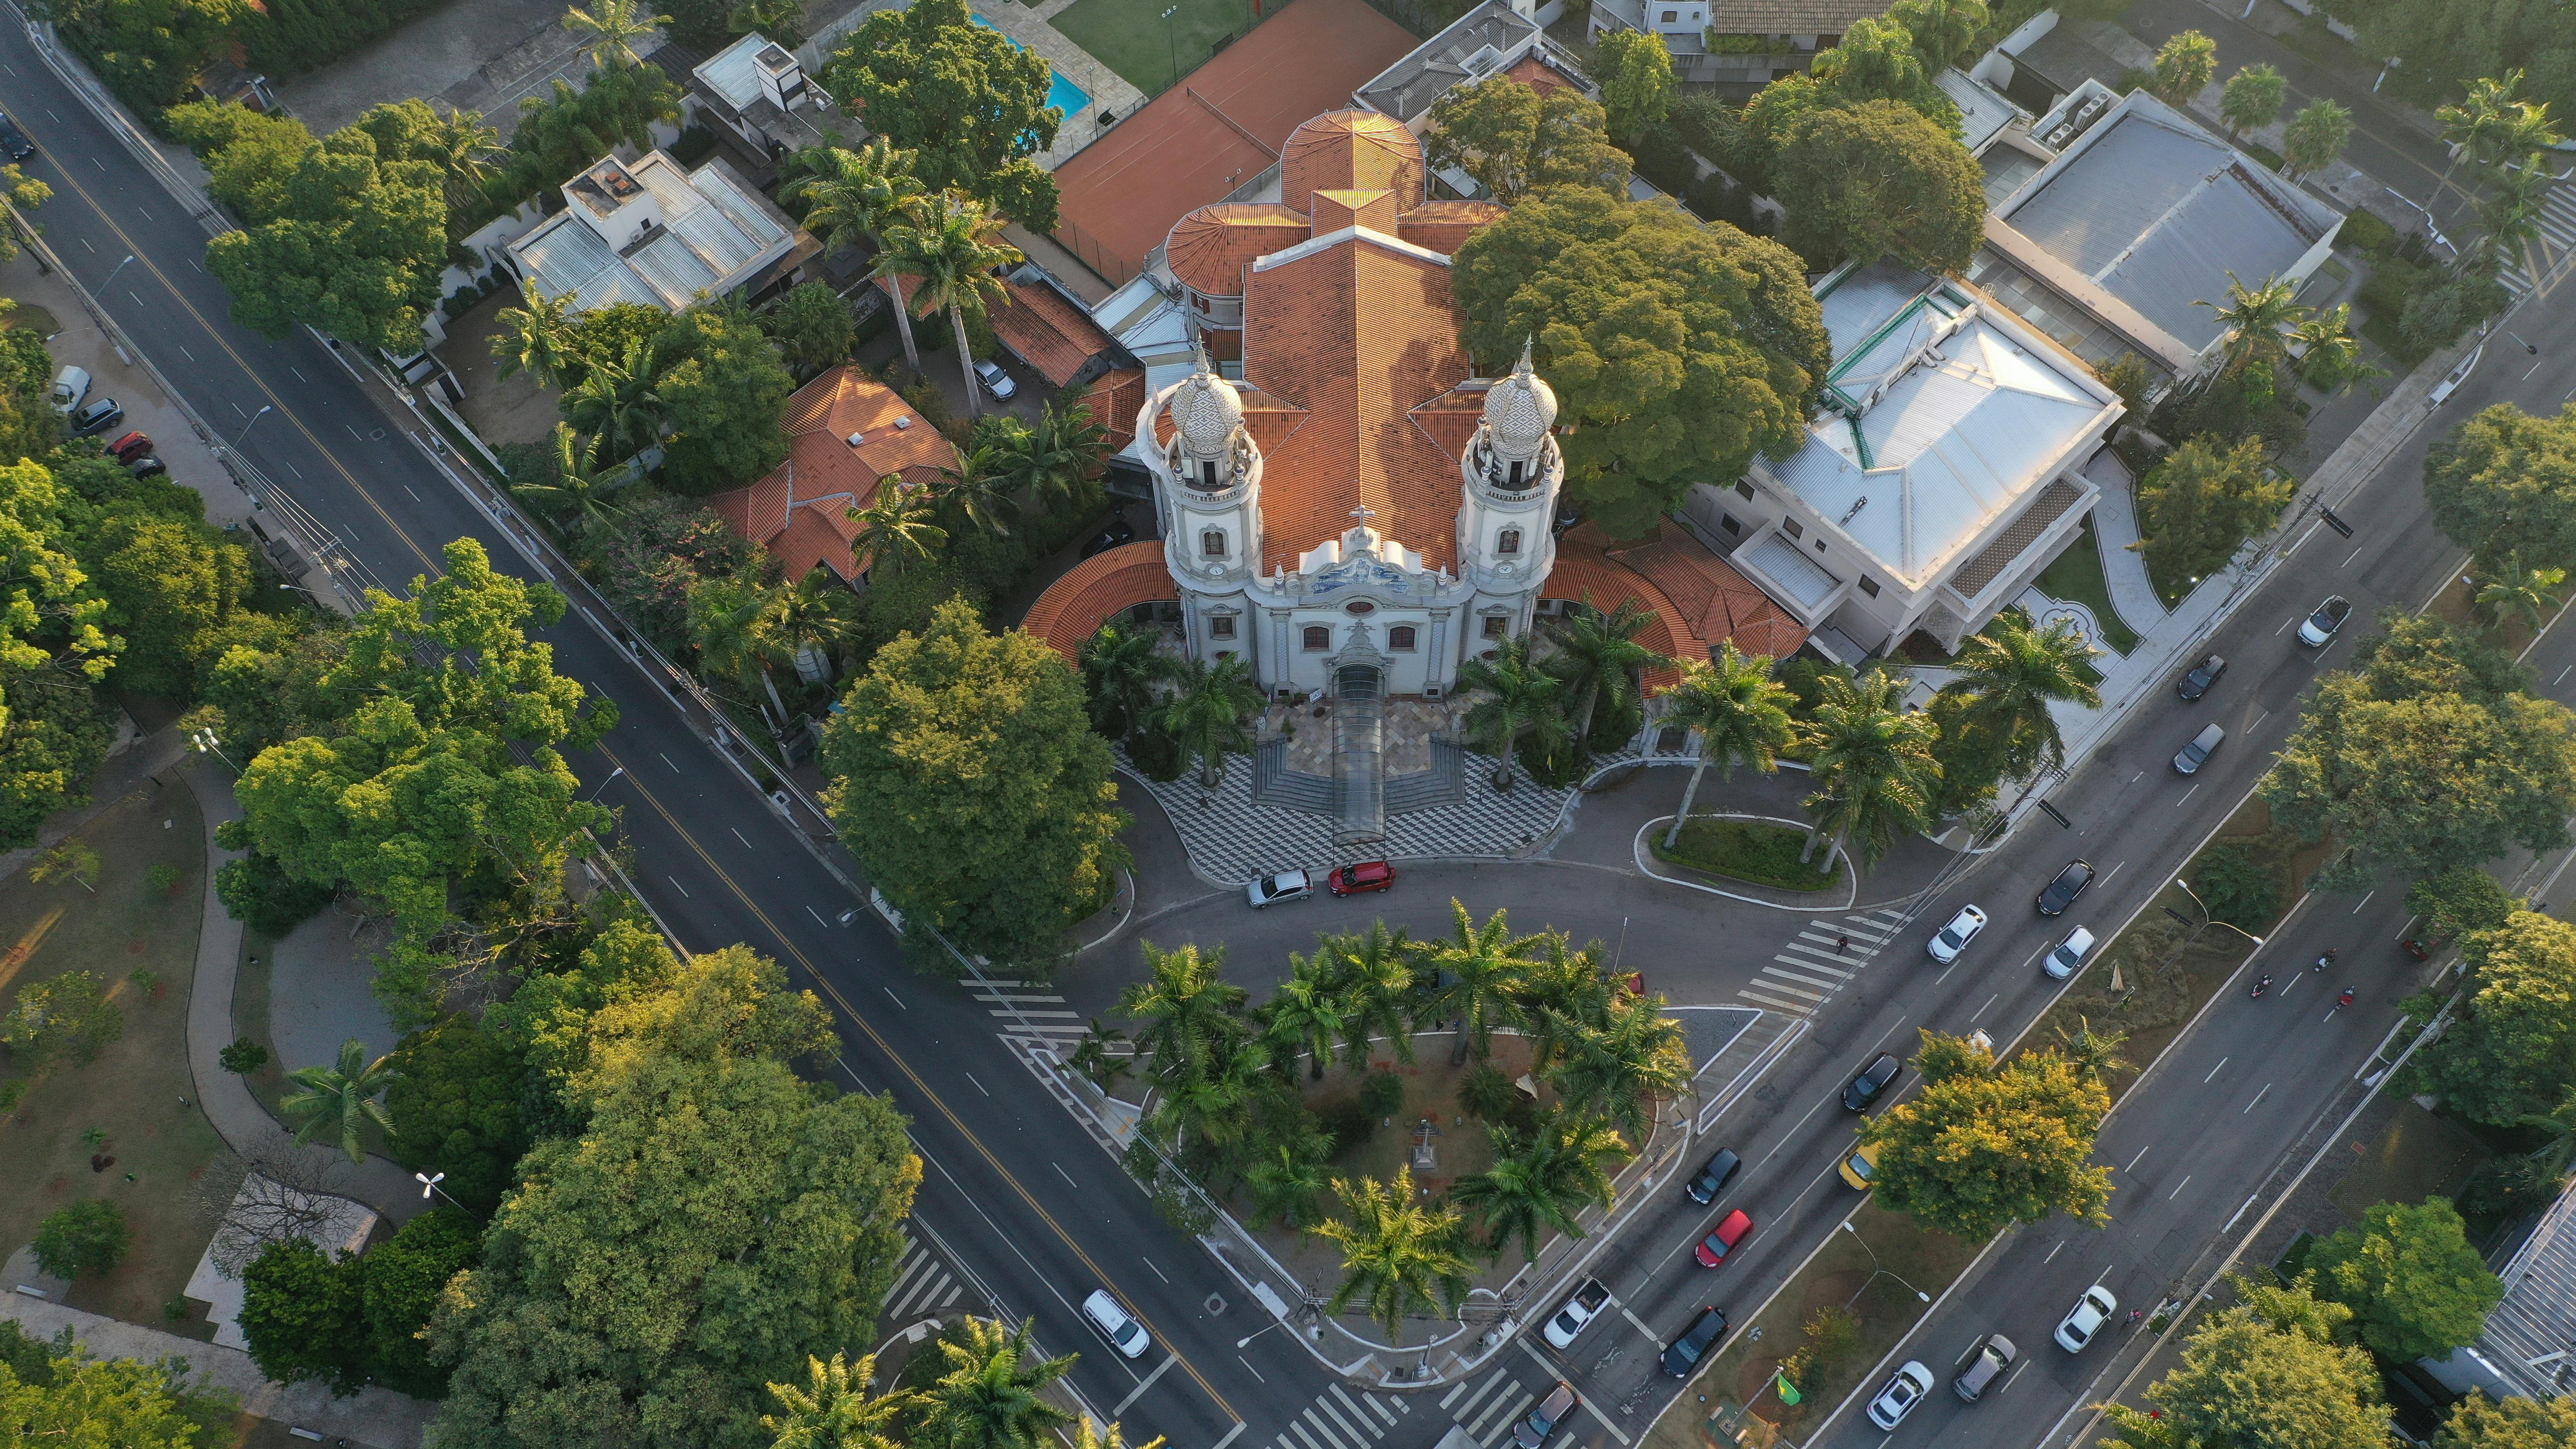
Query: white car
{"x": 1286, "y": 885}
{"x": 1578, "y": 1312}
{"x": 2066, "y": 955}
{"x": 2086, "y": 1318}
{"x": 996, "y": 381}
{"x": 1953, "y": 938}
{"x": 1116, "y": 1324}
{"x": 1911, "y": 1382}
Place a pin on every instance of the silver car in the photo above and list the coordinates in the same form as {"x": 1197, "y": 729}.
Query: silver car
{"x": 1988, "y": 1362}
{"x": 1906, "y": 1389}
{"x": 1286, "y": 885}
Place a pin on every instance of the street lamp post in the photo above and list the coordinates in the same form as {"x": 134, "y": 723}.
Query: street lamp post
{"x": 112, "y": 271}
{"x": 264, "y": 410}
{"x": 1172, "y": 40}
{"x": 1877, "y": 1269}
{"x": 429, "y": 1183}
{"x": 203, "y": 741}
{"x": 604, "y": 784}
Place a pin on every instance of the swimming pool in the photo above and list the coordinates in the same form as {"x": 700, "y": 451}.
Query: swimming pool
{"x": 1062, "y": 94}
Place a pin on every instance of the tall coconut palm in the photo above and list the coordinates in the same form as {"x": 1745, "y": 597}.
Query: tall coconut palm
{"x": 1376, "y": 972}
{"x": 1212, "y": 1104}
{"x": 2257, "y": 320}
{"x": 1522, "y": 706}
{"x": 1123, "y": 669}
{"x": 1621, "y": 1068}
{"x": 994, "y": 1393}
{"x": 1398, "y": 1256}
{"x": 2252, "y": 99}
{"x": 2477, "y": 120}
{"x": 340, "y": 1098}
{"x": 895, "y": 528}
{"x": 2509, "y": 213}
{"x": 2532, "y": 593}
{"x": 1478, "y": 978}
{"x": 1304, "y": 1017}
{"x": 1093, "y": 1058}
{"x": 535, "y": 336}
{"x": 2314, "y": 138}
{"x": 1541, "y": 1181}
{"x": 578, "y": 492}
{"x": 1049, "y": 460}
{"x": 2555, "y": 1155}
{"x": 816, "y": 612}
{"x": 2329, "y": 353}
{"x": 618, "y": 400}
{"x": 466, "y": 150}
{"x": 735, "y": 623}
{"x": 1600, "y": 660}
{"x": 1289, "y": 1175}
{"x": 1206, "y": 712}
{"x": 2093, "y": 1053}
{"x": 1564, "y": 992}
{"x": 1192, "y": 1016}
{"x": 613, "y": 27}
{"x": 1739, "y": 712}
{"x": 833, "y": 1409}
{"x": 1873, "y": 768}
{"x": 853, "y": 198}
{"x": 978, "y": 492}
{"x": 954, "y": 245}
{"x": 2011, "y": 672}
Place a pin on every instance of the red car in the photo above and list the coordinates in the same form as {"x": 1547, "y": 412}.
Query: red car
{"x": 130, "y": 447}
{"x": 1367, "y": 875}
{"x": 1714, "y": 1248}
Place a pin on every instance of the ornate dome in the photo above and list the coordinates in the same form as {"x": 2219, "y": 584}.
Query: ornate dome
{"x": 1519, "y": 410}
{"x": 1206, "y": 410}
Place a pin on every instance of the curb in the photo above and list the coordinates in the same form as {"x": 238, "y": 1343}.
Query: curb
{"x": 1645, "y": 856}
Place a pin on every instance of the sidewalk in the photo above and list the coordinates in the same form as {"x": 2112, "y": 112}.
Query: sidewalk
{"x": 374, "y": 1416}
{"x": 2115, "y": 525}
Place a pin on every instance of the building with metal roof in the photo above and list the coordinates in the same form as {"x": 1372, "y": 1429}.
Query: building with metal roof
{"x": 651, "y": 232}
{"x": 1498, "y": 37}
{"x": 2529, "y": 1346}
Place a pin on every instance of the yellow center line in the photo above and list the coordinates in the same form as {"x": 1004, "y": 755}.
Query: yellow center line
{"x": 919, "y": 1085}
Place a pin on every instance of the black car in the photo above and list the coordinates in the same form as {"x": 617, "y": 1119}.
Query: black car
{"x": 96, "y": 416}
{"x": 1871, "y": 1080}
{"x": 2062, "y": 891}
{"x": 1684, "y": 1353}
{"x": 1119, "y": 531}
{"x": 2202, "y": 676}
{"x": 14, "y": 145}
{"x": 1713, "y": 1174}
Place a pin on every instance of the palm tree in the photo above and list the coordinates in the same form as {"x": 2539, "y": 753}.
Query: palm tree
{"x": 895, "y": 530}
{"x": 1304, "y": 1018}
{"x": 617, "y": 400}
{"x": 1050, "y": 459}
{"x": 1191, "y": 1014}
{"x": 2094, "y": 1053}
{"x": 2314, "y": 138}
{"x": 465, "y": 148}
{"x": 978, "y": 489}
{"x": 613, "y": 27}
{"x": 2329, "y": 353}
{"x": 1739, "y": 712}
{"x": 779, "y": 20}
{"x": 1123, "y": 670}
{"x": 1092, "y": 1057}
{"x": 535, "y": 336}
{"x": 854, "y": 198}
{"x": 1622, "y": 1067}
{"x": 954, "y": 244}
{"x": 1521, "y": 705}
{"x": 1288, "y": 1176}
{"x": 1478, "y": 978}
{"x": 735, "y": 623}
{"x": 1397, "y": 1255}
{"x": 1600, "y": 660}
{"x": 993, "y": 1395}
{"x": 1873, "y": 768}
{"x": 1378, "y": 991}
{"x": 578, "y": 492}
{"x": 2010, "y": 673}
{"x": 2554, "y": 1155}
{"x": 2251, "y": 99}
{"x": 1564, "y": 992}
{"x": 2256, "y": 320}
{"x": 341, "y": 1097}
{"x": 2532, "y": 593}
{"x": 2509, "y": 214}
{"x": 1206, "y": 712}
{"x": 1211, "y": 1103}
{"x": 1541, "y": 1181}
{"x": 2477, "y": 120}
{"x": 816, "y": 612}
{"x": 834, "y": 1409}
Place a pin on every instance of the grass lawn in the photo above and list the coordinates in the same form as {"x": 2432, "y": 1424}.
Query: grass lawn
{"x": 29, "y": 316}
{"x": 1132, "y": 38}
{"x": 2421, "y": 1155}
{"x": 1749, "y": 850}
{"x": 2076, "y": 576}
{"x": 137, "y": 1091}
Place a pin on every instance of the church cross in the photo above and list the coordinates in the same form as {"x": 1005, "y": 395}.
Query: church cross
{"x": 1363, "y": 513}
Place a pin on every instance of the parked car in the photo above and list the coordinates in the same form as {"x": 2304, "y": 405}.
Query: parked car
{"x": 1860, "y": 1166}
{"x": 1578, "y": 1312}
{"x": 1712, "y": 1250}
{"x": 2068, "y": 954}
{"x": 1533, "y": 1429}
{"x": 130, "y": 447}
{"x": 71, "y": 385}
{"x": 2061, "y": 892}
{"x": 1988, "y": 1362}
{"x": 1286, "y": 885}
{"x": 2192, "y": 756}
{"x": 14, "y": 145}
{"x": 1684, "y": 1353}
{"x": 1116, "y": 1324}
{"x": 1953, "y": 938}
{"x": 1712, "y": 1177}
{"x": 1360, "y": 877}
{"x": 1871, "y": 1080}
{"x": 147, "y": 466}
{"x": 94, "y": 418}
{"x": 2321, "y": 625}
{"x": 997, "y": 383}
{"x": 1119, "y": 531}
{"x": 1904, "y": 1390}
{"x": 2201, "y": 677}
{"x": 2086, "y": 1318}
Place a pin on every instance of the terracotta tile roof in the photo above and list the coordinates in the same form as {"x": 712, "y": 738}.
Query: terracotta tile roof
{"x": 1209, "y": 248}
{"x": 1350, "y": 151}
{"x": 1047, "y": 332}
{"x": 1115, "y": 398}
{"x": 1719, "y": 602}
{"x": 1073, "y": 608}
{"x": 1587, "y": 575}
{"x": 1787, "y": 17}
{"x": 1357, "y": 335}
{"x": 1444, "y": 226}
{"x": 1540, "y": 76}
{"x": 1450, "y": 420}
{"x": 810, "y": 495}
{"x": 1337, "y": 210}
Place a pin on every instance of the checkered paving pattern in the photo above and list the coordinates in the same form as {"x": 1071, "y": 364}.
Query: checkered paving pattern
{"x": 1822, "y": 959}
{"x": 1232, "y": 837}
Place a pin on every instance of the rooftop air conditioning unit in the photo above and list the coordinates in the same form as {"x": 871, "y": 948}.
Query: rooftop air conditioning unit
{"x": 855, "y": 439}
{"x": 902, "y": 422}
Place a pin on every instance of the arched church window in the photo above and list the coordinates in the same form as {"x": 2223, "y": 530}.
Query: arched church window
{"x": 1509, "y": 541}
{"x": 1212, "y": 542}
{"x": 1318, "y": 638}
{"x": 1400, "y": 637}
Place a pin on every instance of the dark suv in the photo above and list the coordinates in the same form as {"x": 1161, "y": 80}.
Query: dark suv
{"x": 1684, "y": 1353}
{"x": 14, "y": 145}
{"x": 2202, "y": 676}
{"x": 2062, "y": 891}
{"x": 1869, "y": 1081}
{"x": 1711, "y": 1181}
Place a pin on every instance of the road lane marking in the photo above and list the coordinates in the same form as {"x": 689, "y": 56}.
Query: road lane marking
{"x": 2213, "y": 1071}
{"x": 1774, "y": 1002}
{"x": 2186, "y": 794}
{"x": 1991, "y": 1000}
{"x": 675, "y": 885}
{"x": 2258, "y": 1096}
{"x": 1336, "y": 1416}
{"x": 1480, "y": 1393}
{"x": 1301, "y": 1433}
{"x": 979, "y": 1086}
{"x": 2016, "y": 1373}
{"x": 1145, "y": 1383}
{"x": 818, "y": 917}
{"x": 2178, "y": 1187}
{"x": 2115, "y": 870}
{"x": 2348, "y": 558}
{"x": 746, "y": 840}
{"x": 890, "y": 996}
{"x": 2365, "y": 900}
{"x": 1376, "y": 1403}
{"x": 2052, "y": 1253}
{"x": 2134, "y": 1161}
{"x": 1630, "y": 1315}
{"x": 1239, "y": 1425}
{"x": 1148, "y": 1262}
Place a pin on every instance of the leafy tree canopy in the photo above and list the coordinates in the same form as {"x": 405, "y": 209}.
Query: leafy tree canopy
{"x": 455, "y": 1102}
{"x": 2445, "y": 43}
{"x": 1636, "y": 76}
{"x": 722, "y": 385}
{"x": 2512, "y": 1053}
{"x": 2197, "y": 507}
{"x": 2414, "y": 1285}
{"x": 2462, "y": 900}
{"x": 1877, "y": 179}
{"x": 56, "y": 1394}
{"x": 1984, "y": 1147}
{"x": 2264, "y": 1374}
{"x": 970, "y": 105}
{"x": 2478, "y": 1422}
{"x": 1514, "y": 139}
{"x": 2504, "y": 480}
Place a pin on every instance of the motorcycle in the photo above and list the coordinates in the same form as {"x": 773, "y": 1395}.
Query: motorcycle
{"x": 2344, "y": 1000}
{"x": 2416, "y": 949}
{"x": 2325, "y": 960}
{"x": 2261, "y": 986}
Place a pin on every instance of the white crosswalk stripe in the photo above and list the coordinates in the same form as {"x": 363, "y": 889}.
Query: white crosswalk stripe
{"x": 1483, "y": 1389}
{"x": 922, "y": 1285}
{"x": 1025, "y": 1009}
{"x": 2555, "y": 247}
{"x": 1806, "y": 963}
{"x": 1776, "y": 1003}
{"x": 1489, "y": 1429}
{"x": 1335, "y": 1420}
{"x": 1781, "y": 979}
{"x": 1821, "y": 960}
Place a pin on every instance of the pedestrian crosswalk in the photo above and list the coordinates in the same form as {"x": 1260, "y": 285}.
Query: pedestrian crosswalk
{"x": 1028, "y": 1010}
{"x": 1821, "y": 960}
{"x": 922, "y": 1287}
{"x": 1341, "y": 1418}
{"x": 2553, "y": 250}
{"x": 1488, "y": 1409}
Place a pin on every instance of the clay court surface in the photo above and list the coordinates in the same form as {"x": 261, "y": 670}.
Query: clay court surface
{"x": 1218, "y": 129}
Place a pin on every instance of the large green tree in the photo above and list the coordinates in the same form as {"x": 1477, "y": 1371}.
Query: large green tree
{"x": 1399, "y": 1256}
{"x": 2478, "y": 1422}
{"x": 302, "y": 1314}
{"x": 970, "y": 105}
{"x": 1636, "y": 76}
{"x": 2263, "y": 1374}
{"x": 1985, "y": 1146}
{"x": 150, "y": 52}
{"x": 456, "y": 1103}
{"x": 2512, "y": 1052}
{"x": 2504, "y": 480}
{"x": 1677, "y": 350}
{"x": 1514, "y": 139}
{"x": 2197, "y": 507}
{"x": 970, "y": 786}
{"x": 721, "y": 386}
{"x": 1739, "y": 713}
{"x": 2449, "y": 44}
{"x": 56, "y": 1394}
{"x": 2415, "y": 1287}
{"x": 1878, "y": 180}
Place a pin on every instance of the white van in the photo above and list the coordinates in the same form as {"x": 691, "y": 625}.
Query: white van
{"x": 1116, "y": 1324}
{"x": 70, "y": 386}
